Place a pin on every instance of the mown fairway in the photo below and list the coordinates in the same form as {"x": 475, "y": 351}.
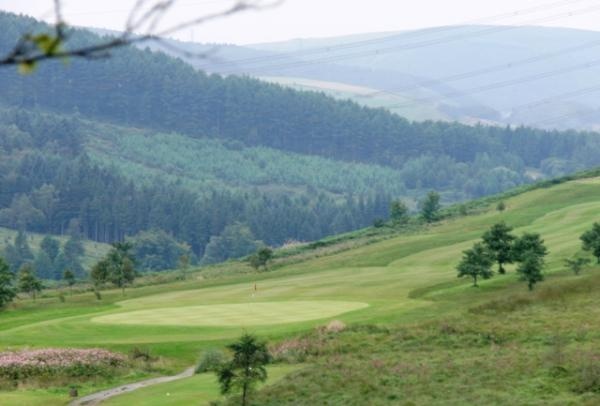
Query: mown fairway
{"x": 234, "y": 315}
{"x": 405, "y": 279}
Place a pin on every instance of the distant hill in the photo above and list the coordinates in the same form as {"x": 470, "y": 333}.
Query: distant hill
{"x": 540, "y": 76}
{"x": 142, "y": 141}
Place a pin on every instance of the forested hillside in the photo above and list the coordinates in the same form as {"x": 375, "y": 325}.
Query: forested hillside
{"x": 141, "y": 88}
{"x": 48, "y": 180}
{"x": 141, "y": 141}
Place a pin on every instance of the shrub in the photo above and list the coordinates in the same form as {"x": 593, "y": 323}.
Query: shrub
{"x": 211, "y": 361}
{"x": 588, "y": 379}
{"x": 293, "y": 350}
{"x": 137, "y": 353}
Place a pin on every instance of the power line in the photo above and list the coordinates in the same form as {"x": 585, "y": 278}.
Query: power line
{"x": 483, "y": 71}
{"x": 501, "y": 84}
{"x": 551, "y": 99}
{"x": 577, "y": 113}
{"x": 350, "y": 45}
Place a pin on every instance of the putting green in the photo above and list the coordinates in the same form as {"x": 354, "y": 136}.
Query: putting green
{"x": 234, "y": 315}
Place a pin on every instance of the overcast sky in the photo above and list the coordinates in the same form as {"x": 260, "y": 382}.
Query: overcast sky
{"x": 321, "y": 18}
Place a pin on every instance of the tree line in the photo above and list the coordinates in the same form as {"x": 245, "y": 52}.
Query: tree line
{"x": 500, "y": 246}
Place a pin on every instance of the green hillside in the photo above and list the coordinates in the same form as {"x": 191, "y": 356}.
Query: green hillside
{"x": 415, "y": 332}
{"x": 405, "y": 104}
{"x": 194, "y": 154}
{"x": 94, "y": 251}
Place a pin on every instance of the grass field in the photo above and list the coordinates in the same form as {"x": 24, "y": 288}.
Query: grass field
{"x": 404, "y": 280}
{"x": 233, "y": 315}
{"x": 199, "y": 389}
{"x": 406, "y": 105}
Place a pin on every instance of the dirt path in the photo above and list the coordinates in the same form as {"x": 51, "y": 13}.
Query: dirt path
{"x": 99, "y": 397}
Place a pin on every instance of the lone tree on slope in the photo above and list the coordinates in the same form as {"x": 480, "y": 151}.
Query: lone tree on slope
{"x": 69, "y": 278}
{"x": 530, "y": 269}
{"x": 430, "y": 206}
{"x": 28, "y": 282}
{"x": 591, "y": 241}
{"x": 261, "y": 258}
{"x": 398, "y": 212}
{"x": 577, "y": 264}
{"x": 529, "y": 250}
{"x": 476, "y": 263}
{"x": 247, "y": 367}
{"x": 499, "y": 241}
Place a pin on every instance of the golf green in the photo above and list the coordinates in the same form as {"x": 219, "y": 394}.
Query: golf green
{"x": 242, "y": 314}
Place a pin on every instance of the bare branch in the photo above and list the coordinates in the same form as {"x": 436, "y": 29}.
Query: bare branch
{"x": 144, "y": 16}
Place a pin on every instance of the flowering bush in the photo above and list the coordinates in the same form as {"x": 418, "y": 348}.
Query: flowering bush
{"x": 18, "y": 365}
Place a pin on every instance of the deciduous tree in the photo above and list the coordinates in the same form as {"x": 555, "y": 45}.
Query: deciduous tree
{"x": 398, "y": 212}
{"x": 28, "y": 282}
{"x": 499, "y": 241}
{"x": 528, "y": 242}
{"x": 430, "y": 206}
{"x": 476, "y": 263}
{"x": 530, "y": 268}
{"x": 591, "y": 240}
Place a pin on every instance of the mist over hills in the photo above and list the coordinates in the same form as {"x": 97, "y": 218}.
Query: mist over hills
{"x": 540, "y": 76}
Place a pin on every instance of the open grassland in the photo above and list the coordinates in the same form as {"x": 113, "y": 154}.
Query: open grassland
{"x": 407, "y": 104}
{"x": 429, "y": 317}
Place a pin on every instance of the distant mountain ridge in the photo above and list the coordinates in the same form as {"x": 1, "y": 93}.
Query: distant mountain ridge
{"x": 507, "y": 75}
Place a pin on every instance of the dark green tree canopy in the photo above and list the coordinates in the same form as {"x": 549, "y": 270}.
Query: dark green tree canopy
{"x": 261, "y": 258}
{"x": 430, "y": 206}
{"x": 591, "y": 241}
{"x": 529, "y": 243}
{"x": 476, "y": 263}
{"x": 235, "y": 241}
{"x": 28, "y": 282}
{"x": 499, "y": 241}
{"x": 51, "y": 246}
{"x": 247, "y": 368}
{"x": 156, "y": 250}
{"x": 69, "y": 277}
{"x": 19, "y": 252}
{"x": 398, "y": 212}
{"x": 7, "y": 289}
{"x": 530, "y": 268}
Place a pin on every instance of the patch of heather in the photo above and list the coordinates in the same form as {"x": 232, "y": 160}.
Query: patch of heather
{"x": 23, "y": 364}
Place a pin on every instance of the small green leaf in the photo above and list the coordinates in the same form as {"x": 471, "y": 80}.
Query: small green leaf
{"x": 27, "y": 67}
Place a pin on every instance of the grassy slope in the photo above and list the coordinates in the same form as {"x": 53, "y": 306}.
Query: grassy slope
{"x": 407, "y": 279}
{"x": 200, "y": 389}
{"x": 404, "y": 104}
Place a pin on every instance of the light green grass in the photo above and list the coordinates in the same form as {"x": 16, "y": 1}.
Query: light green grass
{"x": 197, "y": 390}
{"x": 382, "y": 275}
{"x": 405, "y": 279}
{"x": 33, "y": 397}
{"x": 243, "y": 314}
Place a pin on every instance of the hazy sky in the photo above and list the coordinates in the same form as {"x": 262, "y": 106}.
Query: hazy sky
{"x": 319, "y": 18}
